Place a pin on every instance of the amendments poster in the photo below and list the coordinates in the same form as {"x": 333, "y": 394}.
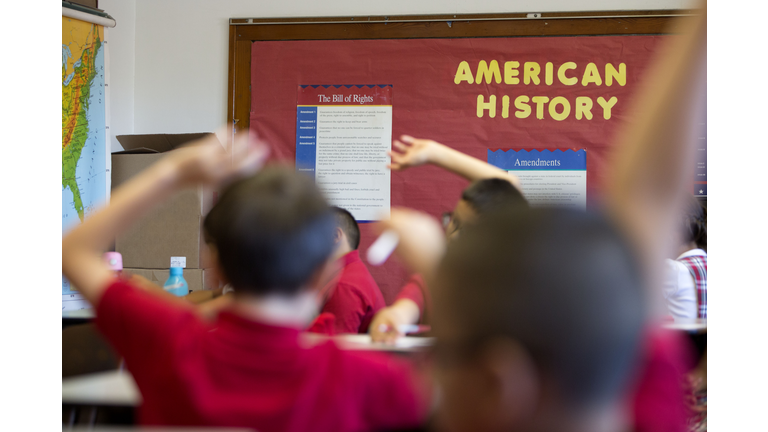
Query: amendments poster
{"x": 547, "y": 177}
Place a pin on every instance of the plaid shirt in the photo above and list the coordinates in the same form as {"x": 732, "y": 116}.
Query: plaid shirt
{"x": 697, "y": 265}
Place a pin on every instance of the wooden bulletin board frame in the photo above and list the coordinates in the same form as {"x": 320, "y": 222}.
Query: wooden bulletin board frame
{"x": 244, "y": 31}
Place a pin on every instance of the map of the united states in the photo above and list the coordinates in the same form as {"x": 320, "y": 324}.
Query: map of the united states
{"x": 78, "y": 69}
{"x": 84, "y": 175}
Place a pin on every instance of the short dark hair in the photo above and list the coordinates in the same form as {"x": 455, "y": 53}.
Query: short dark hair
{"x": 272, "y": 231}
{"x": 695, "y": 222}
{"x": 489, "y": 194}
{"x": 569, "y": 291}
{"x": 348, "y": 224}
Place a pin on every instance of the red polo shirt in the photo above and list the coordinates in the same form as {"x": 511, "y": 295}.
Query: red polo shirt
{"x": 241, "y": 373}
{"x": 356, "y": 298}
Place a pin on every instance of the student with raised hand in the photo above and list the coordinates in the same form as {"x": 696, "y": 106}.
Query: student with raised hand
{"x": 548, "y": 335}
{"x": 354, "y": 298}
{"x": 272, "y": 234}
{"x": 491, "y": 187}
{"x": 412, "y": 152}
{"x": 412, "y": 305}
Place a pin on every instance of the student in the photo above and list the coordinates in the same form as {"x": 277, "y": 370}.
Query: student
{"x": 272, "y": 234}
{"x": 543, "y": 335}
{"x": 412, "y": 152}
{"x": 685, "y": 286}
{"x": 491, "y": 187}
{"x": 356, "y": 297}
{"x": 685, "y": 292}
{"x": 350, "y": 299}
{"x": 539, "y": 314}
{"x": 481, "y": 197}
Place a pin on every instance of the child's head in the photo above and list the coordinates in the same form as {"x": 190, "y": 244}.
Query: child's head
{"x": 694, "y": 225}
{"x": 271, "y": 232}
{"x": 536, "y": 311}
{"x": 480, "y": 197}
{"x": 347, "y": 230}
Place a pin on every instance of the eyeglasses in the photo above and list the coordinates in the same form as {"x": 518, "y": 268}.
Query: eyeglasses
{"x": 447, "y": 216}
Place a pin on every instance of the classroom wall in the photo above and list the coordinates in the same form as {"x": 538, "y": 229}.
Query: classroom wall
{"x": 122, "y": 53}
{"x": 168, "y": 58}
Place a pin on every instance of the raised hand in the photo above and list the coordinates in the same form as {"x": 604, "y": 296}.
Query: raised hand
{"x": 411, "y": 152}
{"x": 206, "y": 161}
{"x": 422, "y": 239}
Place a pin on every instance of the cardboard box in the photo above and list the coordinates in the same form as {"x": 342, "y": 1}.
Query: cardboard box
{"x": 174, "y": 229}
{"x": 197, "y": 279}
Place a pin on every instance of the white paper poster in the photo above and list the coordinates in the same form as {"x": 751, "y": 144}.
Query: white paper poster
{"x": 547, "y": 177}
{"x": 343, "y": 134}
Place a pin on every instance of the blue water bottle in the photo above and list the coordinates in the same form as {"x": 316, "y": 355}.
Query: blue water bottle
{"x": 176, "y": 284}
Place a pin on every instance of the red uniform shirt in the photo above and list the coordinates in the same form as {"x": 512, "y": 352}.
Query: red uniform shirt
{"x": 356, "y": 298}
{"x": 658, "y": 399}
{"x": 416, "y": 291}
{"x": 241, "y": 373}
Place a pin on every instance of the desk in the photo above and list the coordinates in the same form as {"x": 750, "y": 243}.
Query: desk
{"x": 362, "y": 342}
{"x": 113, "y": 388}
{"x": 74, "y": 317}
{"x": 84, "y": 314}
{"x": 698, "y": 325}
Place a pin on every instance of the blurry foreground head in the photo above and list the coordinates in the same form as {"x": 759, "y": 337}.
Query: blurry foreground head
{"x": 538, "y": 315}
{"x": 271, "y": 232}
{"x": 481, "y": 197}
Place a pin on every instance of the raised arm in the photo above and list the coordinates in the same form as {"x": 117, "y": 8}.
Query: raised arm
{"x": 204, "y": 162}
{"x": 412, "y": 152}
{"x": 421, "y": 246}
{"x": 421, "y": 242}
{"x": 655, "y": 159}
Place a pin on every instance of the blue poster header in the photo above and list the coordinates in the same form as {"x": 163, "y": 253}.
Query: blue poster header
{"x": 537, "y": 160}
{"x": 306, "y": 139}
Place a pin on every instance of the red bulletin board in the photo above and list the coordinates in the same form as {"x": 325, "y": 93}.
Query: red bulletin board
{"x": 428, "y": 102}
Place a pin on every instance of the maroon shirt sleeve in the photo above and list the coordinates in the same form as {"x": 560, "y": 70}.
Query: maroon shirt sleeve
{"x": 416, "y": 290}
{"x": 143, "y": 327}
{"x": 323, "y": 324}
{"x": 411, "y": 291}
